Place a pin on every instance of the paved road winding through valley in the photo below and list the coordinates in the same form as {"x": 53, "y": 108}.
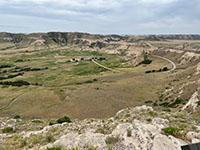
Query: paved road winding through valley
{"x": 173, "y": 64}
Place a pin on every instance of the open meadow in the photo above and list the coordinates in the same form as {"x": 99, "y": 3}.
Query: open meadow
{"x": 54, "y": 86}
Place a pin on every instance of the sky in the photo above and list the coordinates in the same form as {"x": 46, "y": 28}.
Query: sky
{"x": 101, "y": 16}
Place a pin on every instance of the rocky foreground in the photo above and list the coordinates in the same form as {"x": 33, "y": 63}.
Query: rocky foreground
{"x": 139, "y": 128}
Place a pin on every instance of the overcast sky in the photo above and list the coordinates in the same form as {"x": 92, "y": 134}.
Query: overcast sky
{"x": 101, "y": 16}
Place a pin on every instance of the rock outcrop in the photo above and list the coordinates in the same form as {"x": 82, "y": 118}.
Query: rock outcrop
{"x": 192, "y": 103}
{"x": 142, "y": 136}
{"x": 139, "y": 128}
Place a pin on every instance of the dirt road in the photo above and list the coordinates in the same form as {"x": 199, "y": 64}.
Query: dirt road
{"x": 100, "y": 65}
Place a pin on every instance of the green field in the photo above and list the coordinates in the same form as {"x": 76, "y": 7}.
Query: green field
{"x": 76, "y": 89}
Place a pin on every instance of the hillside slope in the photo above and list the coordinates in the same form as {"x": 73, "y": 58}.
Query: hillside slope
{"x": 139, "y": 128}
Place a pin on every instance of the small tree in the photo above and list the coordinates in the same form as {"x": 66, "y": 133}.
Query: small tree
{"x": 165, "y": 69}
{"x": 146, "y": 59}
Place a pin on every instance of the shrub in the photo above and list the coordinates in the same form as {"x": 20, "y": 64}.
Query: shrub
{"x": 5, "y": 66}
{"x": 149, "y": 71}
{"x": 148, "y": 102}
{"x": 177, "y": 101}
{"x": 172, "y": 131}
{"x": 49, "y": 138}
{"x": 180, "y": 115}
{"x": 146, "y": 60}
{"x": 109, "y": 148}
{"x": 165, "y": 104}
{"x": 15, "y": 83}
{"x": 64, "y": 119}
{"x": 152, "y": 113}
{"x": 92, "y": 148}
{"x": 161, "y": 98}
{"x": 100, "y": 130}
{"x": 76, "y": 148}
{"x": 55, "y": 148}
{"x": 23, "y": 143}
{"x": 95, "y": 80}
{"x": 8, "y": 130}
{"x": 167, "y": 110}
{"x": 165, "y": 69}
{"x": 51, "y": 123}
{"x": 129, "y": 133}
{"x": 35, "y": 139}
{"x": 160, "y": 70}
{"x": 17, "y": 117}
{"x": 194, "y": 128}
{"x": 149, "y": 120}
{"x": 155, "y": 104}
{"x": 89, "y": 81}
{"x": 112, "y": 140}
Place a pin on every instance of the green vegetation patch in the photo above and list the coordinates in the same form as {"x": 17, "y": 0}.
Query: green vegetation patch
{"x": 64, "y": 119}
{"x": 8, "y": 130}
{"x": 55, "y": 148}
{"x": 129, "y": 132}
{"x": 176, "y": 132}
{"x": 112, "y": 140}
{"x": 17, "y": 117}
{"x": 5, "y": 66}
{"x": 86, "y": 68}
{"x": 160, "y": 70}
{"x": 15, "y": 83}
{"x": 87, "y": 82}
{"x": 174, "y": 104}
{"x": 146, "y": 60}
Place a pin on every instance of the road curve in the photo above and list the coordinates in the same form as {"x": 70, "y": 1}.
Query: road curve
{"x": 173, "y": 64}
{"x": 100, "y": 65}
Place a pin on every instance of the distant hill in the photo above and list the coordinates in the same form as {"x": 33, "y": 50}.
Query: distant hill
{"x": 73, "y": 37}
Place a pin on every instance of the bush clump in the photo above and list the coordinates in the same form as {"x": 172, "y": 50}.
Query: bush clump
{"x": 8, "y": 130}
{"x": 15, "y": 83}
{"x": 129, "y": 133}
{"x": 49, "y": 138}
{"x": 101, "y": 130}
{"x": 172, "y": 131}
{"x": 5, "y": 66}
{"x": 146, "y": 60}
{"x": 64, "y": 119}
{"x": 148, "y": 102}
{"x": 112, "y": 140}
{"x": 17, "y": 117}
{"x": 55, "y": 148}
{"x": 165, "y": 69}
{"x": 160, "y": 70}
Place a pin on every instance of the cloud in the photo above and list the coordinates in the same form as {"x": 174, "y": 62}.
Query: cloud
{"x": 103, "y": 16}
{"x": 158, "y": 1}
{"x": 10, "y": 26}
{"x": 79, "y": 4}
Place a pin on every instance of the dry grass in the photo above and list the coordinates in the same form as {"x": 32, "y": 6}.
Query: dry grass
{"x": 60, "y": 93}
